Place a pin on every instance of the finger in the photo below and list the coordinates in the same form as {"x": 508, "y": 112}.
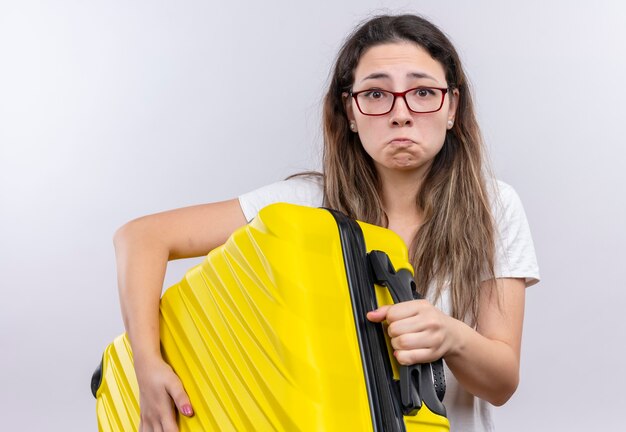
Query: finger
{"x": 405, "y": 309}
{"x": 147, "y": 426}
{"x": 179, "y": 396}
{"x": 409, "y": 357}
{"x": 154, "y": 426}
{"x": 409, "y": 341}
{"x": 169, "y": 423}
{"x": 411, "y": 324}
{"x": 433, "y": 341}
{"x": 378, "y": 315}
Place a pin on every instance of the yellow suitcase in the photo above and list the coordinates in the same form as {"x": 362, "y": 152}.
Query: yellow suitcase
{"x": 269, "y": 333}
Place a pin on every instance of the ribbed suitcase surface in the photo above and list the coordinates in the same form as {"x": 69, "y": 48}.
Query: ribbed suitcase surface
{"x": 264, "y": 337}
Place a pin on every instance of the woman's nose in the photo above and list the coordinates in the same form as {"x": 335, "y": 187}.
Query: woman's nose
{"x": 400, "y": 114}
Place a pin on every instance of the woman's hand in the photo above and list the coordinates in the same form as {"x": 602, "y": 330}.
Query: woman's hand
{"x": 485, "y": 359}
{"x": 419, "y": 332}
{"x": 160, "y": 390}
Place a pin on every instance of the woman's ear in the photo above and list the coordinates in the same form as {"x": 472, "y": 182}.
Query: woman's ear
{"x": 347, "y": 104}
{"x": 454, "y": 103}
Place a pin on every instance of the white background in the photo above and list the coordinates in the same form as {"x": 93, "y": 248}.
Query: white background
{"x": 110, "y": 110}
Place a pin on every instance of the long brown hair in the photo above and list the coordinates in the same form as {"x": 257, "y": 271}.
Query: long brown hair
{"x": 455, "y": 243}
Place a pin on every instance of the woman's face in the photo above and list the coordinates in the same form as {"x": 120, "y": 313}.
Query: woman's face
{"x": 401, "y": 140}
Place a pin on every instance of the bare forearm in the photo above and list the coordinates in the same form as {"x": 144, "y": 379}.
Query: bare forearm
{"x": 144, "y": 246}
{"x": 486, "y": 368}
{"x": 141, "y": 264}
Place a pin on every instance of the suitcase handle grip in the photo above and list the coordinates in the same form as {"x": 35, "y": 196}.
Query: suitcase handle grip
{"x": 416, "y": 381}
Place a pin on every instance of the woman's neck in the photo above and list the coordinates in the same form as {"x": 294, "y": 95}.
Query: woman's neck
{"x": 399, "y": 193}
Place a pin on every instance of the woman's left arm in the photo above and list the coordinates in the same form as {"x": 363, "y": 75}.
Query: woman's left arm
{"x": 484, "y": 360}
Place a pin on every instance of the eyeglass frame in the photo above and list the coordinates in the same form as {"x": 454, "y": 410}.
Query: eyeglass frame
{"x": 444, "y": 91}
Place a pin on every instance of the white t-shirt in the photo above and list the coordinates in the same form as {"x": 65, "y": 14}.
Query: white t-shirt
{"x": 515, "y": 258}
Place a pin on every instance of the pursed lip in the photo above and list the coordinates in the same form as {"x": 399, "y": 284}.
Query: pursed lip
{"x": 401, "y": 140}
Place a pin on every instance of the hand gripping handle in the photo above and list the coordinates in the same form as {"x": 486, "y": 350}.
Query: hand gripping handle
{"x": 416, "y": 381}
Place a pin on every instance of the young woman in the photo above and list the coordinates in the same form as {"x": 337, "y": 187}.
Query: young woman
{"x": 402, "y": 149}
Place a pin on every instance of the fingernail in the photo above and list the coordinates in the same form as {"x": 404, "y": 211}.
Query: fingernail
{"x": 186, "y": 409}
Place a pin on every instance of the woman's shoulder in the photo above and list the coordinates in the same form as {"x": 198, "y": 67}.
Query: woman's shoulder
{"x": 502, "y": 192}
{"x": 515, "y": 252}
{"x": 302, "y": 189}
{"x": 505, "y": 202}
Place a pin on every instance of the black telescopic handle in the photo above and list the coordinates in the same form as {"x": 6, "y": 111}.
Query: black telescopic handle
{"x": 416, "y": 381}
{"x": 399, "y": 285}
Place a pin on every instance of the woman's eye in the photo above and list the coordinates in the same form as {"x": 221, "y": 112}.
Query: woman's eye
{"x": 423, "y": 92}
{"x": 375, "y": 94}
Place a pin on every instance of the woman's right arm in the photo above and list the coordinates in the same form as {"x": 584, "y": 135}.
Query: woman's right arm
{"x": 142, "y": 248}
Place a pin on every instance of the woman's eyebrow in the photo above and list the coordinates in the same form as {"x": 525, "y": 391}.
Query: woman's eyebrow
{"x": 383, "y": 75}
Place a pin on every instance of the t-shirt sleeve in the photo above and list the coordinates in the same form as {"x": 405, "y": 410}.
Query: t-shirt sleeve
{"x": 301, "y": 190}
{"x": 515, "y": 251}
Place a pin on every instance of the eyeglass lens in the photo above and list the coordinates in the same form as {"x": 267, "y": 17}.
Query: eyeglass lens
{"x": 419, "y": 100}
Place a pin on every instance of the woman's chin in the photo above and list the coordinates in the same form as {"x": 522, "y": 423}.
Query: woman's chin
{"x": 409, "y": 165}
{"x": 404, "y": 163}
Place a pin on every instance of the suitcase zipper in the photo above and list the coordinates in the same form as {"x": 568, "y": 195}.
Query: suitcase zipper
{"x": 383, "y": 390}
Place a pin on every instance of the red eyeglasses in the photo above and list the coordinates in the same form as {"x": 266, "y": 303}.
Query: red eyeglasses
{"x": 420, "y": 100}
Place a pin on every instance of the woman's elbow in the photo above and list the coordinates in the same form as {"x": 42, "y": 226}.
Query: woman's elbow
{"x": 144, "y": 235}
{"x": 127, "y": 233}
{"x": 504, "y": 393}
{"x": 121, "y": 235}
